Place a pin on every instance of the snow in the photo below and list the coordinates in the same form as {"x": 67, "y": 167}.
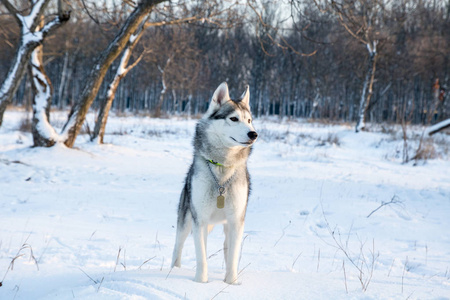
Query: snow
{"x": 100, "y": 219}
{"x": 28, "y": 20}
{"x": 32, "y": 37}
{"x": 47, "y": 27}
{"x": 133, "y": 38}
{"x": 361, "y": 124}
{"x": 372, "y": 48}
{"x": 123, "y": 62}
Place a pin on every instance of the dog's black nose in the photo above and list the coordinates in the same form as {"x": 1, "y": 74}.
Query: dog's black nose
{"x": 252, "y": 135}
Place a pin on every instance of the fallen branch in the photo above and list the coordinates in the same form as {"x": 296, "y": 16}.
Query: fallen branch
{"x": 282, "y": 235}
{"x": 438, "y": 127}
{"x": 394, "y": 200}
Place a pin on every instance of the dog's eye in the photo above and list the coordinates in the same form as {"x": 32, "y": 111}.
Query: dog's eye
{"x": 234, "y": 119}
{"x": 249, "y": 121}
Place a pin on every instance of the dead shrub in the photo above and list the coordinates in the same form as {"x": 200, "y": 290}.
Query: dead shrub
{"x": 426, "y": 151}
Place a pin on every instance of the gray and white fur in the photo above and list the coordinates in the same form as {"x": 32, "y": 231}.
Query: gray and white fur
{"x": 224, "y": 135}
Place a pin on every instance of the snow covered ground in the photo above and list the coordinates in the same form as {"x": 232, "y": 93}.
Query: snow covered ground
{"x": 98, "y": 221}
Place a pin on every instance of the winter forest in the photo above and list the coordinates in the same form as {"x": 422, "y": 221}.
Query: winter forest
{"x": 311, "y": 59}
{"x": 350, "y": 173}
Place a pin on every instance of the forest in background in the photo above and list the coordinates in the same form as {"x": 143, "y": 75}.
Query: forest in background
{"x": 298, "y": 58}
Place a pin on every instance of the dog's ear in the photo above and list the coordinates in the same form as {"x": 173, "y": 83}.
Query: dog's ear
{"x": 219, "y": 98}
{"x": 245, "y": 98}
{"x": 221, "y": 94}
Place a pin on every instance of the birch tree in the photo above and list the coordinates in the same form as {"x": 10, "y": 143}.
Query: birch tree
{"x": 163, "y": 71}
{"x": 412, "y": 52}
{"x": 122, "y": 70}
{"x": 79, "y": 110}
{"x": 31, "y": 37}
{"x": 208, "y": 16}
{"x": 43, "y": 133}
{"x": 361, "y": 19}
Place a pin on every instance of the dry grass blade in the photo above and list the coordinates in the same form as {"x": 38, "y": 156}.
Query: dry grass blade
{"x": 146, "y": 262}
{"x": 93, "y": 280}
{"x": 117, "y": 259}
{"x": 18, "y": 255}
{"x": 364, "y": 266}
{"x": 282, "y": 235}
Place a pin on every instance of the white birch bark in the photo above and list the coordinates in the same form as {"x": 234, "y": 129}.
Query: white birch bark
{"x": 94, "y": 80}
{"x": 44, "y": 135}
{"x": 164, "y": 86}
{"x": 366, "y": 92}
{"x": 122, "y": 71}
{"x": 30, "y": 39}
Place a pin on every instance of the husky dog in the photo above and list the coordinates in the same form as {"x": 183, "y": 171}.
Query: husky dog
{"x": 217, "y": 184}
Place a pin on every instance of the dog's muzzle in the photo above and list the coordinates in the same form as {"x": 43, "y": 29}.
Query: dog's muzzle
{"x": 252, "y": 135}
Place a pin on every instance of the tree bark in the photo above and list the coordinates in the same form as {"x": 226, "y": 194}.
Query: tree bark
{"x": 122, "y": 71}
{"x": 80, "y": 108}
{"x": 164, "y": 87}
{"x": 30, "y": 39}
{"x": 366, "y": 93}
{"x": 43, "y": 133}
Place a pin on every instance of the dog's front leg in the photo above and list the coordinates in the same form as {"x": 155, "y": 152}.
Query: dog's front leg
{"x": 200, "y": 233}
{"x": 235, "y": 233}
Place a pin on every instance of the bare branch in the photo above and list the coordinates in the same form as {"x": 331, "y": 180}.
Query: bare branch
{"x": 130, "y": 3}
{"x": 12, "y": 10}
{"x": 89, "y": 14}
{"x": 272, "y": 39}
{"x": 394, "y": 200}
{"x": 130, "y": 67}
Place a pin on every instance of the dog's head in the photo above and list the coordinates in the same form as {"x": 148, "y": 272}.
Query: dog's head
{"x": 231, "y": 120}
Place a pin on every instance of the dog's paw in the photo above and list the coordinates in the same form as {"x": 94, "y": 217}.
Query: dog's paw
{"x": 232, "y": 280}
{"x": 202, "y": 278}
{"x": 176, "y": 264}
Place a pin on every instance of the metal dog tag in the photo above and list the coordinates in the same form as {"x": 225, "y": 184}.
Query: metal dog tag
{"x": 220, "y": 201}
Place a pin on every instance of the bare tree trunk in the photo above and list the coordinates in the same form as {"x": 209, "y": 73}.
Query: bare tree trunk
{"x": 189, "y": 105}
{"x": 259, "y": 110}
{"x": 62, "y": 83}
{"x": 315, "y": 105}
{"x": 164, "y": 88}
{"x": 434, "y": 103}
{"x": 80, "y": 108}
{"x": 174, "y": 103}
{"x": 122, "y": 71}
{"x": 30, "y": 39}
{"x": 366, "y": 93}
{"x": 43, "y": 133}
{"x": 161, "y": 98}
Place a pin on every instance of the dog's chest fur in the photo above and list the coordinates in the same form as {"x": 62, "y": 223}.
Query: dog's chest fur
{"x": 205, "y": 190}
